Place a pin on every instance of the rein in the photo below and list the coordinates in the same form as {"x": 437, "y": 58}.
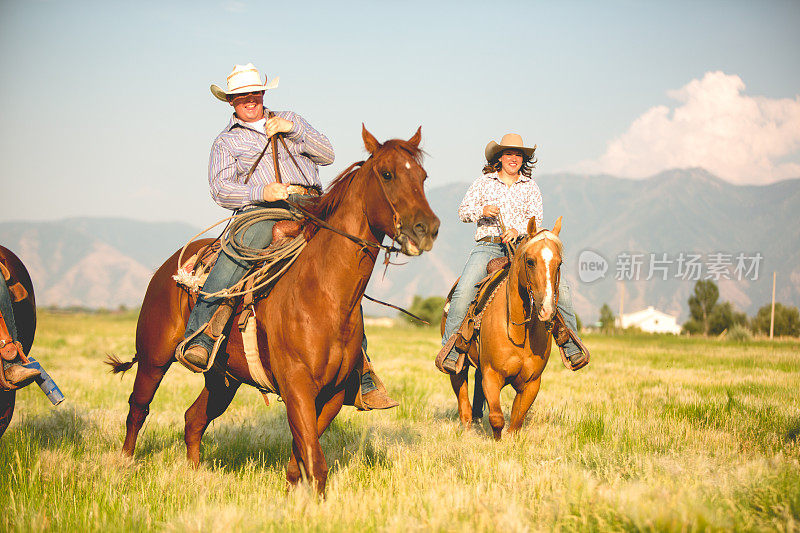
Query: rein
{"x": 358, "y": 240}
{"x": 318, "y": 221}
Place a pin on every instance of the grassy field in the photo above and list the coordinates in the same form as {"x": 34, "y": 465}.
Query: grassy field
{"x": 656, "y": 434}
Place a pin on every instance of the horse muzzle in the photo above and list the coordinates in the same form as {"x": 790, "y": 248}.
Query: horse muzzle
{"x": 546, "y": 311}
{"x": 419, "y": 238}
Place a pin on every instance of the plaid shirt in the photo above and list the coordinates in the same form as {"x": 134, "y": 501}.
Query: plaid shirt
{"x": 518, "y": 203}
{"x": 238, "y": 146}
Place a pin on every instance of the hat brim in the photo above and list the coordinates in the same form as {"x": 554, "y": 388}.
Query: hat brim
{"x": 222, "y": 94}
{"x": 492, "y": 149}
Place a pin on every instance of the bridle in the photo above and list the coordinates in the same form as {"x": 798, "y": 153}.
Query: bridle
{"x": 548, "y": 325}
{"x": 358, "y": 240}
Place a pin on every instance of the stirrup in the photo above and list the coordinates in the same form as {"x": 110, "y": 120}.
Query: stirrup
{"x": 380, "y": 396}
{"x": 181, "y": 348}
{"x": 578, "y": 360}
{"x": 441, "y": 358}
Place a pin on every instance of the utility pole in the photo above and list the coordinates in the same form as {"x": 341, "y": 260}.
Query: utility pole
{"x": 621, "y": 302}
{"x": 772, "y": 314}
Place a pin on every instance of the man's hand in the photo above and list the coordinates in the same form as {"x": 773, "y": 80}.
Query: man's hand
{"x": 491, "y": 210}
{"x": 276, "y": 191}
{"x": 278, "y": 125}
{"x": 510, "y": 235}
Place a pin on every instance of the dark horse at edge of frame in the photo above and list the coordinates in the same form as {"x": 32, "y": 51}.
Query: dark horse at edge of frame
{"x": 25, "y": 319}
{"x": 309, "y": 328}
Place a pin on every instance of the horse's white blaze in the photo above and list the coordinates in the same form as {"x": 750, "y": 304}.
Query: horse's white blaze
{"x": 547, "y": 307}
{"x": 408, "y": 165}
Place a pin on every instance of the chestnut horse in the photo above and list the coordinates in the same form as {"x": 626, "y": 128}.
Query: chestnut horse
{"x": 310, "y": 326}
{"x": 25, "y": 319}
{"x": 514, "y": 341}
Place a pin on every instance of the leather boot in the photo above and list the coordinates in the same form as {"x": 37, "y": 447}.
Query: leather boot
{"x": 16, "y": 374}
{"x": 197, "y": 355}
{"x": 377, "y": 398}
{"x": 562, "y": 335}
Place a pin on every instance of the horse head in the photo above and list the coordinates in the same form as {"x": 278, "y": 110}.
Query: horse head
{"x": 536, "y": 269}
{"x": 396, "y": 176}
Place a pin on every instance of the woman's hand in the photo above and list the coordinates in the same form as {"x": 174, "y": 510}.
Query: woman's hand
{"x": 510, "y": 235}
{"x": 276, "y": 191}
{"x": 278, "y": 125}
{"x": 491, "y": 210}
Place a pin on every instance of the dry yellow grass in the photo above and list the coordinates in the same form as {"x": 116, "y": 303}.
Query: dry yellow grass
{"x": 656, "y": 434}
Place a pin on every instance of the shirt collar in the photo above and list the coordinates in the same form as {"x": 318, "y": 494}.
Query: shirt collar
{"x": 522, "y": 178}
{"x": 235, "y": 121}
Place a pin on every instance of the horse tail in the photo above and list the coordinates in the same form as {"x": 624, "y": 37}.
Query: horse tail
{"x": 117, "y": 365}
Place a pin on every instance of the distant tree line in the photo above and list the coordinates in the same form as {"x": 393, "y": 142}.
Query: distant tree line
{"x": 709, "y": 316}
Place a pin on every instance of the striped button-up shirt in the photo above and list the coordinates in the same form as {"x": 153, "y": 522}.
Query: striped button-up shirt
{"x": 238, "y": 146}
{"x": 518, "y": 202}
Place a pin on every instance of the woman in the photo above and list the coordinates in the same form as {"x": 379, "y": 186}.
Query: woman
{"x": 505, "y": 196}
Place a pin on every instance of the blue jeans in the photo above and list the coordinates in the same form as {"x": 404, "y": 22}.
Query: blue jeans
{"x": 474, "y": 271}
{"x": 7, "y": 309}
{"x": 226, "y": 272}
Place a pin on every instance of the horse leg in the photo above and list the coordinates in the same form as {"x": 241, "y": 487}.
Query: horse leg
{"x": 214, "y": 399}
{"x": 326, "y": 415}
{"x": 148, "y": 378}
{"x": 478, "y": 398}
{"x": 460, "y": 384}
{"x": 302, "y": 414}
{"x": 522, "y": 402}
{"x": 492, "y": 384}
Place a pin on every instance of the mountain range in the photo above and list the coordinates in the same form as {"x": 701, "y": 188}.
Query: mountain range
{"x": 107, "y": 263}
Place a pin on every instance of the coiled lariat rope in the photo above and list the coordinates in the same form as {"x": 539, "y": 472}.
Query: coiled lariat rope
{"x": 275, "y": 259}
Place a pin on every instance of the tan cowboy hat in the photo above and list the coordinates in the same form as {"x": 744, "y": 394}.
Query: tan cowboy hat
{"x": 509, "y": 140}
{"x": 243, "y": 79}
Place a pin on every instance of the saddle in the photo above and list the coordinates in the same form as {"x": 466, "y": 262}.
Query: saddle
{"x": 194, "y": 271}
{"x": 497, "y": 272}
{"x": 192, "y": 275}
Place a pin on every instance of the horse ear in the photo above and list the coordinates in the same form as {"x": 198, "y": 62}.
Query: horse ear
{"x": 370, "y": 142}
{"x": 532, "y": 225}
{"x": 416, "y": 137}
{"x": 557, "y": 227}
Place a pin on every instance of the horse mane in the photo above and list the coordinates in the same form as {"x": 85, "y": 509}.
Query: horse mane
{"x": 323, "y": 206}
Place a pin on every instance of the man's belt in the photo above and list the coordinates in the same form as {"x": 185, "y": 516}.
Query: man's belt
{"x": 492, "y": 238}
{"x": 302, "y": 189}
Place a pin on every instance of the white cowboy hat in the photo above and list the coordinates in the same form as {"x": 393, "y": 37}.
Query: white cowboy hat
{"x": 509, "y": 140}
{"x": 243, "y": 79}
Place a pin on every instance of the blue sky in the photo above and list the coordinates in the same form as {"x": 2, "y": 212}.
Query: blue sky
{"x": 107, "y": 112}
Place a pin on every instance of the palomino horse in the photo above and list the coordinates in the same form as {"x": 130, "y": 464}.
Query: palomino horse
{"x": 309, "y": 327}
{"x": 514, "y": 341}
{"x": 25, "y": 319}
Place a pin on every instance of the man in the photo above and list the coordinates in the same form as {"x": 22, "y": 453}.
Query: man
{"x": 233, "y": 153}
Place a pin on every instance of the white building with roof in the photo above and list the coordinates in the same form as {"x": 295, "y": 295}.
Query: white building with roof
{"x": 650, "y": 320}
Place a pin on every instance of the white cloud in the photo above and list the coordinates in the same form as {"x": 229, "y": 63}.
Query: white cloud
{"x": 740, "y": 138}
